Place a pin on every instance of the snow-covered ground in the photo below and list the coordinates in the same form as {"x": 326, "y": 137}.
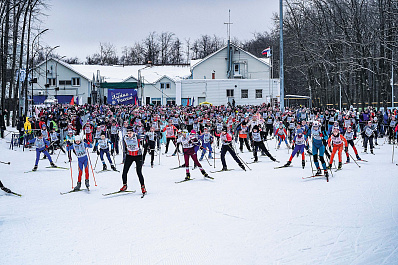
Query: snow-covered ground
{"x": 263, "y": 216}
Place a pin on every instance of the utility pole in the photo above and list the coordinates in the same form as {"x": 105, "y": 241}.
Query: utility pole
{"x": 281, "y": 77}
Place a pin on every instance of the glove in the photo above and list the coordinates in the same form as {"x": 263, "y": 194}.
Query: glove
{"x": 292, "y": 146}
{"x": 6, "y": 190}
{"x": 346, "y": 149}
{"x": 201, "y": 147}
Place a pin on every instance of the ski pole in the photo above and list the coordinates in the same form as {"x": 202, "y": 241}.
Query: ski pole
{"x": 392, "y": 160}
{"x": 207, "y": 160}
{"x": 91, "y": 165}
{"x": 241, "y": 159}
{"x": 58, "y": 156}
{"x": 7, "y": 163}
{"x": 214, "y": 154}
{"x": 96, "y": 161}
{"x": 354, "y": 159}
{"x": 70, "y": 164}
{"x": 312, "y": 169}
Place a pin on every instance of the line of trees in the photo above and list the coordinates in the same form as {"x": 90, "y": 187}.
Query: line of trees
{"x": 162, "y": 48}
{"x": 18, "y": 26}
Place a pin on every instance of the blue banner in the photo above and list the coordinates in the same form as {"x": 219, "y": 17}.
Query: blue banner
{"x": 122, "y": 96}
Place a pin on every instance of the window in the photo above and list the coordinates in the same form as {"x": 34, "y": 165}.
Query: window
{"x": 230, "y": 92}
{"x": 259, "y": 93}
{"x": 75, "y": 81}
{"x": 156, "y": 101}
{"x": 65, "y": 82}
{"x": 51, "y": 81}
{"x": 213, "y": 75}
{"x": 236, "y": 67}
{"x": 244, "y": 93}
{"x": 170, "y": 101}
{"x": 164, "y": 85}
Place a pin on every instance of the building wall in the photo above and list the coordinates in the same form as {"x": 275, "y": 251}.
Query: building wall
{"x": 154, "y": 91}
{"x": 214, "y": 91}
{"x": 60, "y": 72}
{"x": 249, "y": 67}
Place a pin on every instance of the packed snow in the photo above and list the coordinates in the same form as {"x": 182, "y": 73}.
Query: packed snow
{"x": 262, "y": 216}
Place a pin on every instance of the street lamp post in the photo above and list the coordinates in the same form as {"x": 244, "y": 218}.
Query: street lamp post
{"x": 47, "y": 85}
{"x": 41, "y": 32}
{"x": 281, "y": 77}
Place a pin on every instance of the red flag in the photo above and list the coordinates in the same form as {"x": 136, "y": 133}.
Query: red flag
{"x": 72, "y": 102}
{"x": 135, "y": 100}
{"x": 188, "y": 102}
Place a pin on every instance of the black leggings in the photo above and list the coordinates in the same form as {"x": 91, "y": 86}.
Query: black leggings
{"x": 127, "y": 163}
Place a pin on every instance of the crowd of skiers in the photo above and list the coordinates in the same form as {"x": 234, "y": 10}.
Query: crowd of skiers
{"x": 134, "y": 132}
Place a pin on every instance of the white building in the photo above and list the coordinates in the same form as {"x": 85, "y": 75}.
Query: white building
{"x": 221, "y": 77}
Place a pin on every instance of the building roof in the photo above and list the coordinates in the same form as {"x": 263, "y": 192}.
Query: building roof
{"x": 119, "y": 73}
{"x": 195, "y": 63}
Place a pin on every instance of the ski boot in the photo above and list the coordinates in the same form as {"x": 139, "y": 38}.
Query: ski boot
{"x": 318, "y": 172}
{"x": 113, "y": 167}
{"x": 224, "y": 169}
{"x": 365, "y": 150}
{"x": 303, "y": 163}
{"x": 288, "y": 163}
{"x": 358, "y": 157}
{"x": 124, "y": 188}
{"x": 326, "y": 174}
{"x": 255, "y": 159}
{"x": 143, "y": 190}
{"x": 87, "y": 183}
{"x": 151, "y": 164}
{"x": 34, "y": 168}
{"x": 104, "y": 167}
{"x": 242, "y": 166}
{"x": 204, "y": 173}
{"x": 201, "y": 158}
{"x": 273, "y": 159}
{"x": 210, "y": 156}
{"x": 278, "y": 146}
{"x": 174, "y": 154}
{"x": 78, "y": 185}
{"x": 52, "y": 164}
{"x": 371, "y": 151}
{"x": 330, "y": 166}
{"x": 188, "y": 176}
{"x": 340, "y": 165}
{"x": 348, "y": 159}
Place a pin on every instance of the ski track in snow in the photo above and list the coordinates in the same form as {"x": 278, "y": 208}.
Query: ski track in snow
{"x": 263, "y": 216}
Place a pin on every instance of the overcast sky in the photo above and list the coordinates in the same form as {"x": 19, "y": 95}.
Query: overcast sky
{"x": 78, "y": 26}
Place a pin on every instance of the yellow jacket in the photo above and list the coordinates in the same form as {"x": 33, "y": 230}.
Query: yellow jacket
{"x": 27, "y": 126}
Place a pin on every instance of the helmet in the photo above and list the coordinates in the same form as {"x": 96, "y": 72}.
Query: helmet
{"x": 299, "y": 131}
{"x": 185, "y": 131}
{"x": 315, "y": 124}
{"x": 193, "y": 131}
{"x": 78, "y": 138}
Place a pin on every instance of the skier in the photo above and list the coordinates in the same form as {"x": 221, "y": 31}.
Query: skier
{"x": 69, "y": 142}
{"x": 281, "y": 133}
{"x": 206, "y": 140}
{"x": 339, "y": 142}
{"x": 350, "y": 137}
{"x": 103, "y": 145}
{"x": 170, "y": 130}
{"x": 82, "y": 159}
{"x": 368, "y": 135}
{"x": 88, "y": 130}
{"x": 41, "y": 147}
{"x": 226, "y": 146}
{"x": 188, "y": 147}
{"x": 134, "y": 153}
{"x": 257, "y": 137}
{"x": 243, "y": 135}
{"x": 55, "y": 142}
{"x": 115, "y": 137}
{"x": 149, "y": 145}
{"x": 299, "y": 143}
{"x": 318, "y": 149}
